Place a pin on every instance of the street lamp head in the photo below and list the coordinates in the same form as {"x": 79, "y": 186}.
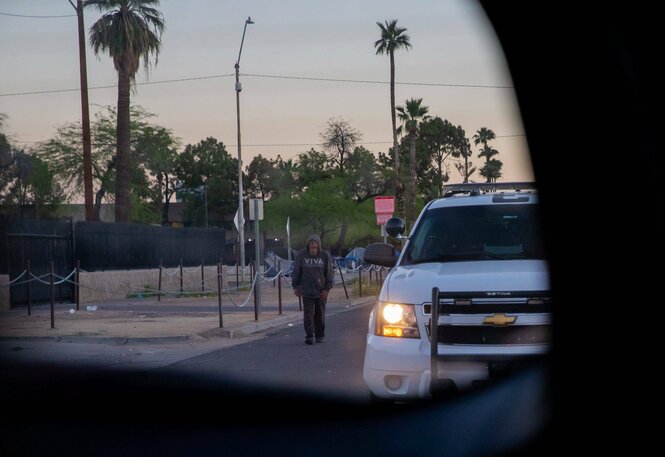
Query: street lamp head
{"x": 244, "y": 29}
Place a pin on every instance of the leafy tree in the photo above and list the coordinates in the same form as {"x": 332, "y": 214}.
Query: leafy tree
{"x": 327, "y": 203}
{"x": 339, "y": 139}
{"x": 326, "y": 208}
{"x": 286, "y": 177}
{"x": 46, "y": 194}
{"x": 28, "y": 181}
{"x": 262, "y": 177}
{"x": 322, "y": 209}
{"x": 157, "y": 149}
{"x": 313, "y": 166}
{"x": 64, "y": 154}
{"x": 438, "y": 139}
{"x": 393, "y": 38}
{"x": 208, "y": 182}
{"x": 412, "y": 114}
{"x": 129, "y": 30}
{"x": 271, "y": 178}
{"x": 364, "y": 180}
{"x": 6, "y": 158}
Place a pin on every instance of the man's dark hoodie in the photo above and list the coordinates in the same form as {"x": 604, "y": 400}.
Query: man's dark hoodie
{"x": 312, "y": 274}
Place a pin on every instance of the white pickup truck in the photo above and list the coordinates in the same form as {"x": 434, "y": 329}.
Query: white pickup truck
{"x": 478, "y": 253}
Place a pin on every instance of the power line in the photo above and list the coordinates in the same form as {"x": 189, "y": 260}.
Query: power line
{"x": 193, "y": 78}
{"x": 48, "y": 91}
{"x": 147, "y": 83}
{"x": 302, "y": 78}
{"x": 36, "y": 17}
{"x": 365, "y": 81}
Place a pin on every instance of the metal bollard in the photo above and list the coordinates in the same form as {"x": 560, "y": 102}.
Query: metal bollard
{"x": 159, "y": 286}
{"x": 52, "y": 297}
{"x": 219, "y": 294}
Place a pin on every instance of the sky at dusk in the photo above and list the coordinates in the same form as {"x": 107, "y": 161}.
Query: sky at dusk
{"x": 302, "y": 63}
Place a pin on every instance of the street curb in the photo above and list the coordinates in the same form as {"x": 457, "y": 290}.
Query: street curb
{"x": 279, "y": 321}
{"x": 255, "y": 327}
{"x": 237, "y": 332}
{"x": 116, "y": 340}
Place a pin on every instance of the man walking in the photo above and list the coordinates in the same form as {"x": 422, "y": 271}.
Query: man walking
{"x": 312, "y": 278}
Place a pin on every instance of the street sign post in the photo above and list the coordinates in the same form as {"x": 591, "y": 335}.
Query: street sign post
{"x": 384, "y": 207}
{"x": 382, "y": 218}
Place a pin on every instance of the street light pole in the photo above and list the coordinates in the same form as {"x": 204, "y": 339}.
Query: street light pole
{"x": 241, "y": 215}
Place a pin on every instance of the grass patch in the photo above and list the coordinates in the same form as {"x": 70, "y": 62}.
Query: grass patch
{"x": 150, "y": 292}
{"x": 367, "y": 289}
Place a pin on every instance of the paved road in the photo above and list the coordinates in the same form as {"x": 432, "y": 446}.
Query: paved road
{"x": 268, "y": 358}
{"x": 282, "y": 359}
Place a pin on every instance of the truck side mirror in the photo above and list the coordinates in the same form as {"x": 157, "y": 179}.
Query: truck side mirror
{"x": 380, "y": 254}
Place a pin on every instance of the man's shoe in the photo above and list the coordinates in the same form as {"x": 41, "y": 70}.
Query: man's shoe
{"x": 319, "y": 340}
{"x": 308, "y": 340}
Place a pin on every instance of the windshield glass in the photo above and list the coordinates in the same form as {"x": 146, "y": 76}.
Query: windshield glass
{"x": 484, "y": 232}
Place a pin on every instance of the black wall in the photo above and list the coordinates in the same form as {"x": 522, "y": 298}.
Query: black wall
{"x": 98, "y": 246}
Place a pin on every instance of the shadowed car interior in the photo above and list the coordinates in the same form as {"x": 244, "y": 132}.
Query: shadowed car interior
{"x": 567, "y": 61}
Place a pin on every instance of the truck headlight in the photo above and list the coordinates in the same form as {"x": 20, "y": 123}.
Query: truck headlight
{"x": 396, "y": 320}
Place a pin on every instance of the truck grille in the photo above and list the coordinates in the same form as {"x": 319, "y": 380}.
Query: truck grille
{"x": 484, "y": 334}
{"x": 474, "y": 306}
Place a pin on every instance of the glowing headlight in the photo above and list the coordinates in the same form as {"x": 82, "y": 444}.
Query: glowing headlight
{"x": 393, "y": 313}
{"x": 397, "y": 321}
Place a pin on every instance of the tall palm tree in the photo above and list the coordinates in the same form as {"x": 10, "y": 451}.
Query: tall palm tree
{"x": 130, "y": 30}
{"x": 492, "y": 170}
{"x": 466, "y": 169}
{"x": 412, "y": 114}
{"x": 392, "y": 39}
{"x": 484, "y": 135}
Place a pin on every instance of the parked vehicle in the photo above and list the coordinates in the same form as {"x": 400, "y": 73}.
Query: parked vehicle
{"x": 478, "y": 253}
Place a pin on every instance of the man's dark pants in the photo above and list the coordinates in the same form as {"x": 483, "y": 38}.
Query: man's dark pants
{"x": 314, "y": 317}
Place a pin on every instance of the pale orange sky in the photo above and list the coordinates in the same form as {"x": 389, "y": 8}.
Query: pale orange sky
{"x": 453, "y": 44}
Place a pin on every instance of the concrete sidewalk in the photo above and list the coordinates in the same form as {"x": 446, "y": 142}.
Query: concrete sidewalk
{"x": 167, "y": 320}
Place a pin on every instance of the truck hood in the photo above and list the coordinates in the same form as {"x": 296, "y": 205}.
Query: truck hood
{"x": 414, "y": 283}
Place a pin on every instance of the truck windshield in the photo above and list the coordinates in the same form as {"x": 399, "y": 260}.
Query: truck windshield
{"x": 483, "y": 232}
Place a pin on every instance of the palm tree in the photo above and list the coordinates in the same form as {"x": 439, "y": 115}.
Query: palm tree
{"x": 392, "y": 39}
{"x": 412, "y": 114}
{"x": 130, "y": 30}
{"x": 492, "y": 170}
{"x": 466, "y": 169}
{"x": 483, "y": 136}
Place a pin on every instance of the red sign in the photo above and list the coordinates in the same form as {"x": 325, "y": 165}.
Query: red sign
{"x": 384, "y": 205}
{"x": 381, "y": 218}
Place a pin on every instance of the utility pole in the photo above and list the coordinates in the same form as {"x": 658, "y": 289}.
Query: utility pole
{"x": 85, "y": 114}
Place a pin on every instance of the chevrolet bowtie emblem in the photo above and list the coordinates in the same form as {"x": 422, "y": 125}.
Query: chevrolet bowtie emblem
{"x": 499, "y": 320}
